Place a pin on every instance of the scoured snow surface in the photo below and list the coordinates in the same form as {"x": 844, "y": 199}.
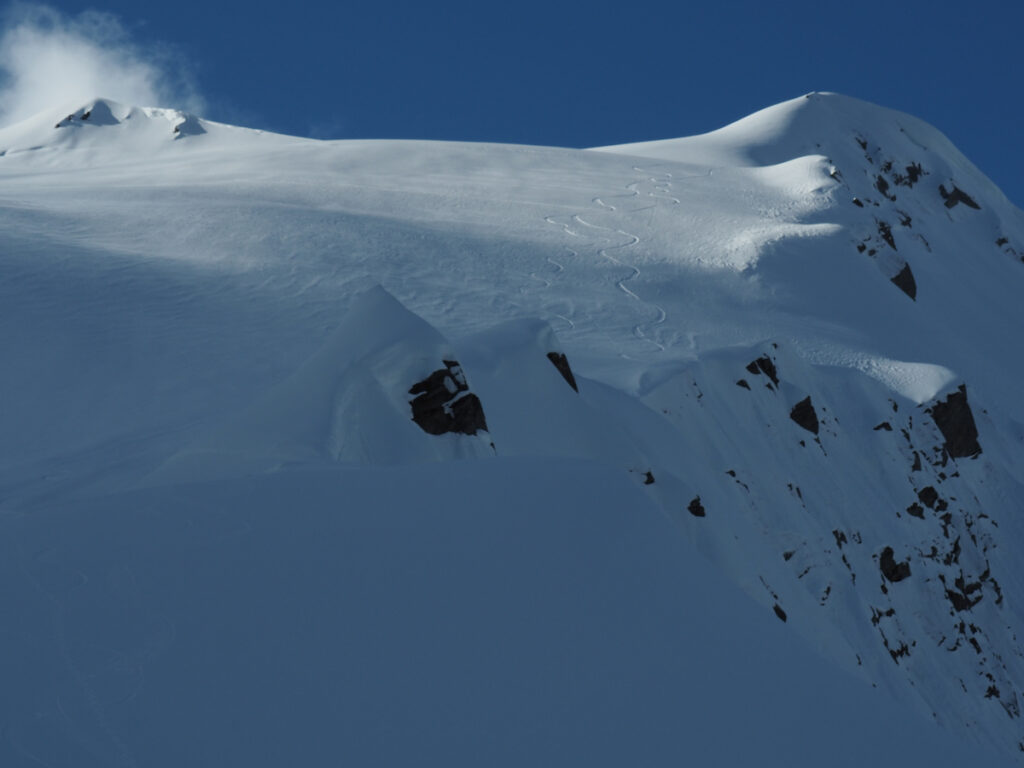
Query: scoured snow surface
{"x": 712, "y": 435}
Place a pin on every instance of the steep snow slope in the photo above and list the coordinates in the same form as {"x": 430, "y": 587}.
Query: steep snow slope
{"x": 508, "y": 612}
{"x": 790, "y": 334}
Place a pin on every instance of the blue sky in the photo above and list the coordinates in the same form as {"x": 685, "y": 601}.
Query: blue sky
{"x": 575, "y": 74}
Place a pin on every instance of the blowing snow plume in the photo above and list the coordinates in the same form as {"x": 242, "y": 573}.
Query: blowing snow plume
{"x": 49, "y": 59}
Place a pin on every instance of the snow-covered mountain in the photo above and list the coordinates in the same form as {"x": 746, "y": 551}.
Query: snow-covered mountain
{"x": 395, "y": 451}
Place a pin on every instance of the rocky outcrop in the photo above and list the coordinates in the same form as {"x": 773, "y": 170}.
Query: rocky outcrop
{"x": 955, "y": 421}
{"x": 695, "y": 508}
{"x": 98, "y": 113}
{"x": 561, "y": 362}
{"x": 803, "y": 413}
{"x": 443, "y": 403}
{"x": 765, "y": 365}
{"x": 957, "y": 196}
{"x": 904, "y": 280}
{"x": 891, "y": 569}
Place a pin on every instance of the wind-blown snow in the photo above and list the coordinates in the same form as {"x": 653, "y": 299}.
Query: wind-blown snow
{"x": 49, "y": 58}
{"x": 768, "y": 326}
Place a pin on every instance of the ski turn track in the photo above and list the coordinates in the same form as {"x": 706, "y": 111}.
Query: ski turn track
{"x": 656, "y": 185}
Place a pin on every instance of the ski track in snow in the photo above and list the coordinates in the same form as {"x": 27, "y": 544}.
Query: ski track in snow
{"x": 659, "y": 188}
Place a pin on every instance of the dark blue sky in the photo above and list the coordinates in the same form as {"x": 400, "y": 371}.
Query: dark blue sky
{"x": 586, "y": 74}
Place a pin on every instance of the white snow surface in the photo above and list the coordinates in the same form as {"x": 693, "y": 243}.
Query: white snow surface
{"x": 227, "y": 541}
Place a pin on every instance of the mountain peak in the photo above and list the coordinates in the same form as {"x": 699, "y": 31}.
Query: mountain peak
{"x": 106, "y": 112}
{"x": 100, "y": 126}
{"x": 805, "y": 125}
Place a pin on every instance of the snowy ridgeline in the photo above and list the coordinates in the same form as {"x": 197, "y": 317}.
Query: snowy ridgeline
{"x": 662, "y": 452}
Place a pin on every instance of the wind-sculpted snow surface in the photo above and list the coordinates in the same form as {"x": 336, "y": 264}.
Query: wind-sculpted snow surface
{"x": 351, "y": 383}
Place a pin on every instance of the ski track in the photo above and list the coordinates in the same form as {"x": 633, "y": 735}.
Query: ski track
{"x": 657, "y": 186}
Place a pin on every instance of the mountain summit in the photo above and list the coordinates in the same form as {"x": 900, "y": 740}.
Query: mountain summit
{"x": 397, "y": 451}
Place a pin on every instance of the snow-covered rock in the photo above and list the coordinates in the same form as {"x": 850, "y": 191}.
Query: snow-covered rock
{"x": 383, "y": 389}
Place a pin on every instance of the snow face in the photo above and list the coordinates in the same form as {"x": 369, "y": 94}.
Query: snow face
{"x": 787, "y": 338}
{"x": 514, "y": 611}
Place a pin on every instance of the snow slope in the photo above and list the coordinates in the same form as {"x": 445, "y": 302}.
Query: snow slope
{"x": 508, "y": 612}
{"x": 759, "y": 334}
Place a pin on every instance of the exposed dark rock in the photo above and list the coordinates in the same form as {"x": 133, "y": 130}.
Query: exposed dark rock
{"x": 861, "y": 247}
{"x": 914, "y": 172}
{"x": 885, "y": 425}
{"x": 960, "y": 597}
{"x": 743, "y": 383}
{"x": 898, "y": 653}
{"x": 443, "y": 403}
{"x": 955, "y": 421}
{"x": 877, "y": 615}
{"x": 885, "y": 232}
{"x": 858, "y": 203}
{"x": 863, "y": 143}
{"x": 960, "y": 601}
{"x": 998, "y": 590}
{"x": 840, "y": 537}
{"x": 928, "y": 496}
{"x": 788, "y": 555}
{"x": 883, "y": 186}
{"x": 98, "y": 114}
{"x": 904, "y": 280}
{"x": 953, "y": 556}
{"x": 803, "y": 413}
{"x": 957, "y": 196}
{"x": 892, "y": 570}
{"x": 696, "y": 508}
{"x": 967, "y": 587}
{"x": 561, "y": 362}
{"x": 648, "y": 478}
{"x": 916, "y": 467}
{"x": 468, "y": 415}
{"x": 1002, "y": 241}
{"x": 916, "y": 510}
{"x": 779, "y": 612}
{"x": 764, "y": 365}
